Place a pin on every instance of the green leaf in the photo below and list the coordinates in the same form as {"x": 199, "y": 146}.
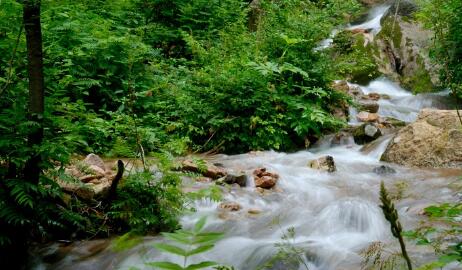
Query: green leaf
{"x": 201, "y": 265}
{"x": 207, "y": 237}
{"x": 200, "y": 224}
{"x": 200, "y": 249}
{"x": 178, "y": 237}
{"x": 165, "y": 265}
{"x": 171, "y": 249}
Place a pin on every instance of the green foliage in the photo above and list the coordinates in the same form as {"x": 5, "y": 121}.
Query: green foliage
{"x": 288, "y": 253}
{"x": 128, "y": 77}
{"x": 448, "y": 215}
{"x": 145, "y": 203}
{"x": 187, "y": 244}
{"x": 442, "y": 16}
{"x": 354, "y": 57}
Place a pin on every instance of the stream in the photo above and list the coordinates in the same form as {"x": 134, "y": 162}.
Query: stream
{"x": 334, "y": 215}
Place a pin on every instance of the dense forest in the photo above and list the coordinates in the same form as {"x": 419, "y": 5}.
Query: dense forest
{"x": 157, "y": 88}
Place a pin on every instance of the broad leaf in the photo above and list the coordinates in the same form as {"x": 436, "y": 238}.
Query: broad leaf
{"x": 201, "y": 265}
{"x": 200, "y": 249}
{"x": 200, "y": 224}
{"x": 171, "y": 249}
{"x": 165, "y": 265}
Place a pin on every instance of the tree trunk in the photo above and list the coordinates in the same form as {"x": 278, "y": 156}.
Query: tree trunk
{"x": 31, "y": 19}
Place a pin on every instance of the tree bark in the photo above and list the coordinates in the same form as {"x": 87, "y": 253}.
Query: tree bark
{"x": 33, "y": 29}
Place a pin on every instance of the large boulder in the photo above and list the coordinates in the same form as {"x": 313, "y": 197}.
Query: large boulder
{"x": 433, "y": 140}
{"x": 402, "y": 50}
{"x": 87, "y": 179}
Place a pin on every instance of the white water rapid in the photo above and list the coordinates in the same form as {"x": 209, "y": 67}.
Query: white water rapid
{"x": 371, "y": 23}
{"x": 399, "y": 103}
{"x": 335, "y": 215}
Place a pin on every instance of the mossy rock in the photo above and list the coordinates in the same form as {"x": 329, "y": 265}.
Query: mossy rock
{"x": 355, "y": 61}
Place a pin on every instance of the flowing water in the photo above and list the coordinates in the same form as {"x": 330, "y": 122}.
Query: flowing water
{"x": 371, "y": 23}
{"x": 334, "y": 215}
{"x": 399, "y": 103}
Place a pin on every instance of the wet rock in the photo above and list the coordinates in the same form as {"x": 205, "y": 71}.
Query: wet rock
{"x": 203, "y": 179}
{"x": 368, "y": 106}
{"x": 206, "y": 169}
{"x": 230, "y": 206}
{"x": 405, "y": 7}
{"x": 403, "y": 50}
{"x": 392, "y": 122}
{"x": 434, "y": 140}
{"x": 367, "y": 117}
{"x": 341, "y": 138}
{"x": 254, "y": 211}
{"x": 360, "y": 31}
{"x": 344, "y": 87}
{"x": 384, "y": 170}
{"x": 372, "y": 96}
{"x": 366, "y": 133}
{"x": 264, "y": 179}
{"x": 230, "y": 179}
{"x": 325, "y": 163}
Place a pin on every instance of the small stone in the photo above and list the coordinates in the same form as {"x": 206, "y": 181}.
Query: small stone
{"x": 366, "y": 133}
{"x": 370, "y": 130}
{"x": 253, "y": 211}
{"x": 265, "y": 179}
{"x": 373, "y": 96}
{"x": 325, "y": 163}
{"x": 203, "y": 179}
{"x": 384, "y": 170}
{"x": 368, "y": 106}
{"x": 240, "y": 179}
{"x": 367, "y": 117}
{"x": 209, "y": 170}
{"x": 230, "y": 206}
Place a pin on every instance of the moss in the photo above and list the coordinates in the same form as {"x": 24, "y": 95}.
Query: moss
{"x": 420, "y": 81}
{"x": 354, "y": 60}
{"x": 391, "y": 33}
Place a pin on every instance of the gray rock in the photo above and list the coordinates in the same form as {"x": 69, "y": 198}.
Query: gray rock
{"x": 405, "y": 7}
{"x": 368, "y": 106}
{"x": 371, "y": 130}
{"x": 95, "y": 160}
{"x": 325, "y": 163}
{"x": 366, "y": 133}
{"x": 240, "y": 179}
{"x": 384, "y": 170}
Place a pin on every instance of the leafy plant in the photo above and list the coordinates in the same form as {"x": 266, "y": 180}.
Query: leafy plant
{"x": 437, "y": 237}
{"x": 188, "y": 243}
{"x": 288, "y": 252}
